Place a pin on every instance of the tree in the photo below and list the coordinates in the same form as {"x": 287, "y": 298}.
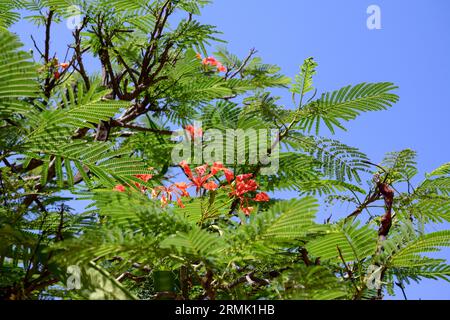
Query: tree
{"x": 158, "y": 228}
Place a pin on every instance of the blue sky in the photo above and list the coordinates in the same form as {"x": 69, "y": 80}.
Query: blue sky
{"x": 412, "y": 50}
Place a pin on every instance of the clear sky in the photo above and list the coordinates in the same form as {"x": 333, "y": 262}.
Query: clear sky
{"x": 412, "y": 49}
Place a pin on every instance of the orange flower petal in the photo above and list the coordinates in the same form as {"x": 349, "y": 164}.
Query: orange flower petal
{"x": 119, "y": 188}
{"x": 211, "y": 185}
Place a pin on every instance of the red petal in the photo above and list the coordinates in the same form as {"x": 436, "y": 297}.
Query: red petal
{"x": 119, "y": 188}
{"x": 261, "y": 197}
{"x": 211, "y": 185}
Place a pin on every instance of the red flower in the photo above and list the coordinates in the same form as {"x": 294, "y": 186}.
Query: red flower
{"x": 180, "y": 203}
{"x": 182, "y": 186}
{"x": 177, "y": 189}
{"x": 221, "y": 68}
{"x": 199, "y": 181}
{"x": 262, "y": 197}
{"x": 216, "y": 167}
{"x": 164, "y": 201}
{"x": 247, "y": 210}
{"x": 64, "y": 65}
{"x": 211, "y": 61}
{"x": 244, "y": 184}
{"x": 201, "y": 170}
{"x": 144, "y": 177}
{"x": 193, "y": 131}
{"x": 229, "y": 175}
{"x": 201, "y": 177}
{"x": 243, "y": 177}
{"x": 184, "y": 165}
{"x": 211, "y": 185}
{"x": 119, "y": 188}
{"x": 56, "y": 75}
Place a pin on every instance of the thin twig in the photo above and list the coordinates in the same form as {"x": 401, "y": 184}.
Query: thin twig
{"x": 349, "y": 271}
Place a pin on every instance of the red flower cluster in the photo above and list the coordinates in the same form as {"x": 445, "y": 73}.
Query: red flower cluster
{"x": 177, "y": 189}
{"x": 211, "y": 61}
{"x": 241, "y": 186}
{"x": 262, "y": 197}
{"x": 201, "y": 177}
{"x": 218, "y": 166}
{"x": 167, "y": 193}
{"x": 143, "y": 177}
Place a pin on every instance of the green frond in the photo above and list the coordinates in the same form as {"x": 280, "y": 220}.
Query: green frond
{"x": 442, "y": 170}
{"x": 17, "y": 74}
{"x": 437, "y": 182}
{"x": 192, "y": 6}
{"x": 346, "y": 104}
{"x": 431, "y": 208}
{"x": 8, "y": 15}
{"x": 440, "y": 186}
{"x": 340, "y": 161}
{"x": 95, "y": 283}
{"x": 192, "y": 212}
{"x": 337, "y": 160}
{"x": 133, "y": 209}
{"x": 222, "y": 115}
{"x": 324, "y": 187}
{"x": 295, "y": 219}
{"x": 202, "y": 89}
{"x": 303, "y": 81}
{"x": 98, "y": 158}
{"x": 312, "y": 283}
{"x": 431, "y": 242}
{"x": 185, "y": 67}
{"x": 197, "y": 243}
{"x": 294, "y": 170}
{"x": 199, "y": 210}
{"x": 86, "y": 109}
{"x": 354, "y": 243}
{"x": 429, "y": 271}
{"x": 262, "y": 75}
{"x": 401, "y": 166}
{"x": 287, "y": 221}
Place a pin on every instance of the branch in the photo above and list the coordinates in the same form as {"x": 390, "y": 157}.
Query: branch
{"x": 117, "y": 123}
{"x": 37, "y": 48}
{"x": 48, "y": 23}
{"x": 129, "y": 275}
{"x": 244, "y": 63}
{"x": 155, "y": 35}
{"x": 349, "y": 271}
{"x": 371, "y": 197}
{"x": 81, "y": 70}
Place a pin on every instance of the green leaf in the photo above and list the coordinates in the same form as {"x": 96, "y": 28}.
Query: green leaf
{"x": 196, "y": 242}
{"x": 355, "y": 243}
{"x": 303, "y": 81}
{"x": 346, "y": 104}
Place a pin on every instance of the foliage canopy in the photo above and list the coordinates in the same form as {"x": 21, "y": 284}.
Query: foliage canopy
{"x": 67, "y": 132}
